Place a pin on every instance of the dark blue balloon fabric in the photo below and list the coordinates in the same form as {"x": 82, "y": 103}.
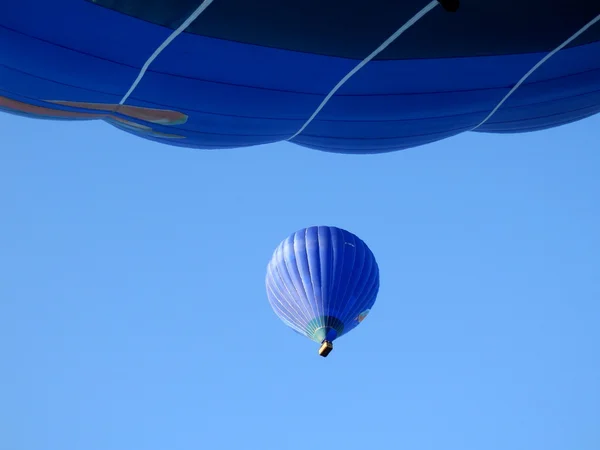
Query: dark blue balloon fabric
{"x": 254, "y": 72}
{"x": 322, "y": 282}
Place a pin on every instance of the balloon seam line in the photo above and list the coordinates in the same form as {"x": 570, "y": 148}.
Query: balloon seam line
{"x": 301, "y": 313}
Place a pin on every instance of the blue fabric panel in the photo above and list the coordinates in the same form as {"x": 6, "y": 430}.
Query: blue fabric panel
{"x": 85, "y": 28}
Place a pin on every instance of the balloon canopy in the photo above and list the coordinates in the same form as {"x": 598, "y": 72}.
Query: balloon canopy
{"x": 338, "y": 75}
{"x": 322, "y": 282}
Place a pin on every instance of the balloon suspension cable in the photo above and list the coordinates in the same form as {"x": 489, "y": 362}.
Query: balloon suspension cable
{"x": 326, "y": 348}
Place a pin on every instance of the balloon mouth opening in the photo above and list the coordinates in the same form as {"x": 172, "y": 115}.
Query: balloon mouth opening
{"x": 325, "y": 334}
{"x": 324, "y": 328}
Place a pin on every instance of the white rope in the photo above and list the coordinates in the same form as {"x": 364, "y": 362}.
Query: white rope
{"x": 382, "y": 47}
{"x": 205, "y": 4}
{"x": 534, "y": 68}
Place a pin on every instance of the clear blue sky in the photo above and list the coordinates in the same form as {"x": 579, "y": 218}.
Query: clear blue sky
{"x": 133, "y": 313}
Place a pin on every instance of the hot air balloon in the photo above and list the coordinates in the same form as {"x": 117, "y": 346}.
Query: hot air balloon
{"x": 341, "y": 76}
{"x": 322, "y": 282}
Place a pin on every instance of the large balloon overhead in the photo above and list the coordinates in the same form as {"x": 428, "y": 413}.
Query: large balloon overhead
{"x": 322, "y": 282}
{"x": 338, "y": 75}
